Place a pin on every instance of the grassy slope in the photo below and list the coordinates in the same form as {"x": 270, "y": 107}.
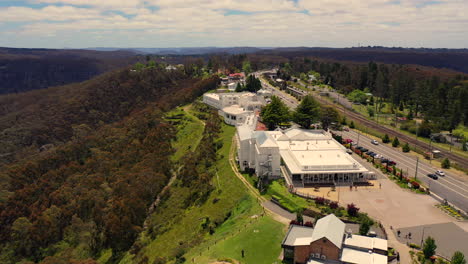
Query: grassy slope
{"x": 183, "y": 226}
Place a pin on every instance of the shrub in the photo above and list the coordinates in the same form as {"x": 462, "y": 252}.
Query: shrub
{"x": 320, "y": 200}
{"x": 333, "y": 205}
{"x": 412, "y": 245}
{"x": 351, "y": 125}
{"x": 294, "y": 222}
{"x": 352, "y": 210}
{"x": 309, "y": 224}
{"x": 386, "y": 139}
{"x": 446, "y": 163}
{"x": 415, "y": 184}
{"x": 395, "y": 142}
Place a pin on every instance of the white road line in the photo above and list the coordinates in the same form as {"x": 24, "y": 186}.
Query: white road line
{"x": 421, "y": 168}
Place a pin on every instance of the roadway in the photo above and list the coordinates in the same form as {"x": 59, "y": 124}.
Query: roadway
{"x": 449, "y": 187}
{"x": 454, "y": 190}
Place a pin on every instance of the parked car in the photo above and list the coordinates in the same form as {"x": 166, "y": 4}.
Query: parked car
{"x": 391, "y": 163}
{"x": 346, "y": 129}
{"x": 433, "y": 176}
{"x": 440, "y": 173}
{"x": 375, "y": 142}
{"x": 364, "y": 150}
{"x": 349, "y": 151}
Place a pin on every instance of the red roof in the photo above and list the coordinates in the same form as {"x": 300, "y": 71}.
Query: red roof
{"x": 239, "y": 74}
{"x": 260, "y": 127}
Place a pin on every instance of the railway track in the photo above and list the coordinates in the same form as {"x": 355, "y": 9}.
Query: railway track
{"x": 461, "y": 161}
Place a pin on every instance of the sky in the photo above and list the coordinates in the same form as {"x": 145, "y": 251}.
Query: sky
{"x": 230, "y": 23}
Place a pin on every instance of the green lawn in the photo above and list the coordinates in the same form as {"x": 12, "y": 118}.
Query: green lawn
{"x": 290, "y": 201}
{"x": 260, "y": 240}
{"x": 189, "y": 131}
{"x": 228, "y": 208}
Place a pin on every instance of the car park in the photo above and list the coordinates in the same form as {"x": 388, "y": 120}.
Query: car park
{"x": 433, "y": 176}
{"x": 440, "y": 173}
{"x": 375, "y": 142}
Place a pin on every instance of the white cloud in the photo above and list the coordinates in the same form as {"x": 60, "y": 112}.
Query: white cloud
{"x": 50, "y": 13}
{"x": 267, "y": 22}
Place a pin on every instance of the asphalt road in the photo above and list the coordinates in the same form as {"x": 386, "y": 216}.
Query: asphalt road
{"x": 455, "y": 190}
{"x": 450, "y": 187}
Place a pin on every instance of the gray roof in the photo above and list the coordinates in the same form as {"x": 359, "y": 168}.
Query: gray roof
{"x": 264, "y": 140}
{"x": 296, "y": 234}
{"x": 329, "y": 227}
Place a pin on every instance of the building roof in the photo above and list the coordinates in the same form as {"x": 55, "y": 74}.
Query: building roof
{"x": 365, "y": 242}
{"x": 244, "y": 132}
{"x": 298, "y": 236}
{"x": 264, "y": 140}
{"x": 329, "y": 227}
{"x": 234, "y": 110}
{"x": 349, "y": 255}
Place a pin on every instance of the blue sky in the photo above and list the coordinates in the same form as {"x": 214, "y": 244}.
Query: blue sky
{"x": 189, "y": 23}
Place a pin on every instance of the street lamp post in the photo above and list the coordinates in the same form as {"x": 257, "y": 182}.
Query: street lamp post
{"x": 422, "y": 237}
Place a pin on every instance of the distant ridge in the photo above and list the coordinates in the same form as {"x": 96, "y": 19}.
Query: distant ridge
{"x": 185, "y": 51}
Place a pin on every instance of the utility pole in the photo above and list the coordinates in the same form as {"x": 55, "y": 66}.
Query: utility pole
{"x": 417, "y": 163}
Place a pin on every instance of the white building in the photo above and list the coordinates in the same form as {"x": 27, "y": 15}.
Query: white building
{"x": 301, "y": 156}
{"x": 235, "y": 107}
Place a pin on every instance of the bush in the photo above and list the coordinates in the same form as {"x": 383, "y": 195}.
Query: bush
{"x": 415, "y": 246}
{"x": 333, "y": 205}
{"x": 406, "y": 147}
{"x": 446, "y": 163}
{"x": 352, "y": 210}
{"x": 415, "y": 184}
{"x": 320, "y": 200}
{"x": 351, "y": 125}
{"x": 386, "y": 139}
{"x": 309, "y": 224}
{"x": 395, "y": 142}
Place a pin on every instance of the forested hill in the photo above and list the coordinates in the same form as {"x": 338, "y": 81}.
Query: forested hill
{"x": 29, "y": 69}
{"x": 110, "y": 158}
{"x": 456, "y": 60}
{"x": 36, "y": 119}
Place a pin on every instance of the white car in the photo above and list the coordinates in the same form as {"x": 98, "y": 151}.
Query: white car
{"x": 375, "y": 142}
{"x": 440, "y": 173}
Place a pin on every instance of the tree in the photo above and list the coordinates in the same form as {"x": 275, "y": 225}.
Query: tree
{"x": 446, "y": 163}
{"x": 275, "y": 113}
{"x": 239, "y": 88}
{"x": 395, "y": 142}
{"x": 328, "y": 115}
{"x": 307, "y": 112}
{"x": 386, "y": 139}
{"x": 458, "y": 258}
{"x": 299, "y": 217}
{"x": 343, "y": 121}
{"x": 246, "y": 67}
{"x": 365, "y": 227}
{"x": 429, "y": 247}
{"x": 252, "y": 84}
{"x": 351, "y": 125}
{"x": 406, "y": 147}
{"x": 370, "y": 111}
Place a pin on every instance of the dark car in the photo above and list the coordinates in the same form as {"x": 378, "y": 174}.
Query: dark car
{"x": 384, "y": 160}
{"x": 370, "y": 153}
{"x": 364, "y": 150}
{"x": 433, "y": 176}
{"x": 391, "y": 163}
